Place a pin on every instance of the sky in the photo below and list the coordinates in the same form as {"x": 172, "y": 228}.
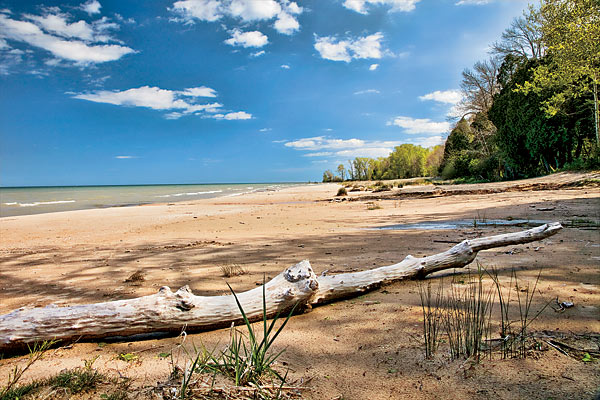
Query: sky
{"x": 103, "y": 92}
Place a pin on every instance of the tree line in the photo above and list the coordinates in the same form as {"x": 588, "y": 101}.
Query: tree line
{"x": 531, "y": 108}
{"x": 406, "y": 161}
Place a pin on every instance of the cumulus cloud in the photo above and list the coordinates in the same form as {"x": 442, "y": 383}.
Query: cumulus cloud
{"x": 252, "y": 10}
{"x": 257, "y": 54}
{"x": 283, "y": 11}
{"x": 373, "y": 67}
{"x": 360, "y": 6}
{"x": 76, "y": 42}
{"x": 367, "y": 91}
{"x": 332, "y": 48}
{"x": 348, "y": 148}
{"x": 91, "y": 7}
{"x": 179, "y": 102}
{"x": 285, "y": 66}
{"x": 286, "y": 24}
{"x": 420, "y": 126}
{"x": 145, "y": 96}
{"x": 445, "y": 96}
{"x": 247, "y": 39}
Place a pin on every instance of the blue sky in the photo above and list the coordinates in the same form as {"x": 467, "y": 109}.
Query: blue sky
{"x": 202, "y": 91}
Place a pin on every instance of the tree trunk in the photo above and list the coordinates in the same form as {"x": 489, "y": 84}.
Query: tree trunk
{"x": 166, "y": 311}
{"x": 596, "y": 114}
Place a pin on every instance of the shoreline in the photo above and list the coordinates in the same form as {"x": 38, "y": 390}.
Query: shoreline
{"x": 15, "y": 208}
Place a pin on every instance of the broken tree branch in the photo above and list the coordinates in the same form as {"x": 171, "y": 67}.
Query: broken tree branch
{"x": 170, "y": 311}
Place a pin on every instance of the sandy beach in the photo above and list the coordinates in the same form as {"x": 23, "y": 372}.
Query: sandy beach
{"x": 366, "y": 347}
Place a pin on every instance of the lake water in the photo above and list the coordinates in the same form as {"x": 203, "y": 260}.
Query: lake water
{"x": 37, "y": 200}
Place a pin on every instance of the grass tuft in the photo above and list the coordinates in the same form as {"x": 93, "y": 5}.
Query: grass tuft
{"x": 342, "y": 192}
{"x": 230, "y": 270}
{"x": 246, "y": 360}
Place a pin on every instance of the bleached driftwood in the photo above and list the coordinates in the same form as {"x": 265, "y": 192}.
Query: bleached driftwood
{"x": 167, "y": 311}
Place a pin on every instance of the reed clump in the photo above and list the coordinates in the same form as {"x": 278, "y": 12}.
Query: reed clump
{"x": 464, "y": 318}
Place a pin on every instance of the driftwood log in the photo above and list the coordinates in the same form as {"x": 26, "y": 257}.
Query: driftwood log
{"x": 171, "y": 311}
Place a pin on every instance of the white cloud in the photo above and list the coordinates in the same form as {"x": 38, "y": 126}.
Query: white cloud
{"x": 244, "y": 11}
{"x": 426, "y": 141}
{"x": 285, "y": 66}
{"x": 445, "y": 96}
{"x": 341, "y": 149}
{"x": 367, "y": 91}
{"x": 63, "y": 45}
{"x": 293, "y": 8}
{"x": 10, "y": 57}
{"x": 373, "y": 67}
{"x": 201, "y": 91}
{"x": 178, "y": 102}
{"x": 416, "y": 126}
{"x": 91, "y": 7}
{"x": 395, "y": 5}
{"x": 472, "y": 2}
{"x": 346, "y": 148}
{"x": 257, "y": 54}
{"x": 373, "y": 152}
{"x": 247, "y": 39}
{"x": 124, "y": 157}
{"x": 204, "y": 10}
{"x": 286, "y": 24}
{"x": 264, "y": 129}
{"x": 331, "y": 48}
{"x": 57, "y": 24}
{"x": 252, "y": 10}
{"x": 145, "y": 96}
{"x": 233, "y": 115}
{"x": 367, "y": 47}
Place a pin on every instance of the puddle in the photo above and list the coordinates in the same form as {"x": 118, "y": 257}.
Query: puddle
{"x": 464, "y": 223}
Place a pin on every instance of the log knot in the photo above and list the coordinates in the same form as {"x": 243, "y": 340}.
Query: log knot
{"x": 298, "y": 272}
{"x": 185, "y": 298}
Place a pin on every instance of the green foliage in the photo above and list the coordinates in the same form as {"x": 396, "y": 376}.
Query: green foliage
{"x": 76, "y": 380}
{"x": 247, "y": 359}
{"x": 127, "y": 357}
{"x": 36, "y": 353}
{"x": 328, "y": 176}
{"x": 571, "y": 31}
{"x": 532, "y": 142}
{"x": 406, "y": 161}
{"x": 342, "y": 192}
{"x": 471, "y": 150}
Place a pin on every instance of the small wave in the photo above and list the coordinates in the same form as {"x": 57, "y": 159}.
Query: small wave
{"x": 10, "y": 204}
{"x": 40, "y": 203}
{"x": 190, "y": 193}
